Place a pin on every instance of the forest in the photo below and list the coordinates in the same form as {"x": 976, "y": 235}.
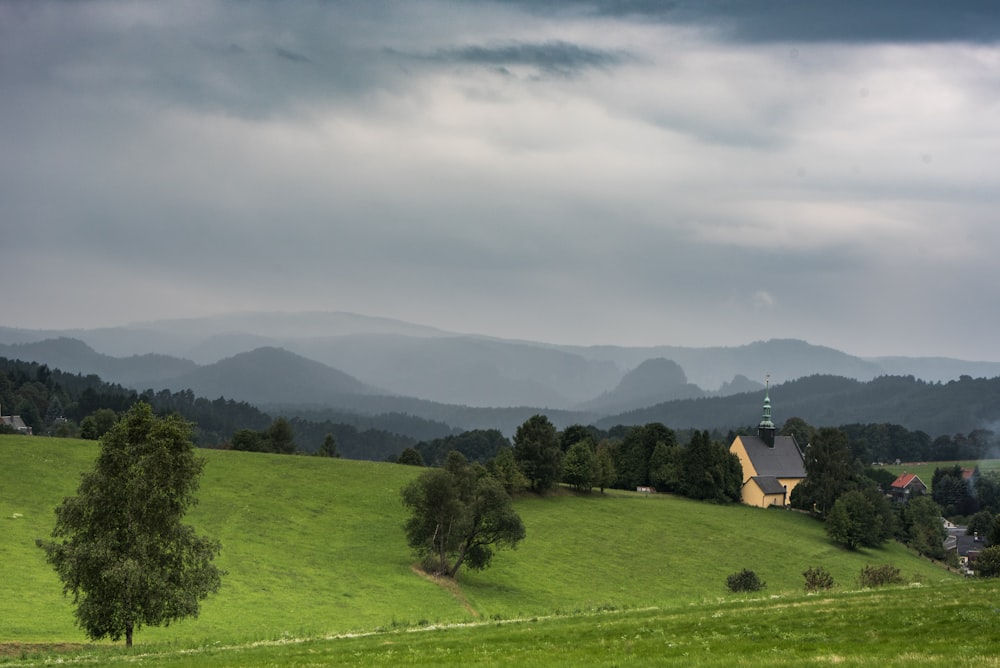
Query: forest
{"x": 55, "y": 403}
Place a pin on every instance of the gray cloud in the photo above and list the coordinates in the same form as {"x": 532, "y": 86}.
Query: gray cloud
{"x": 642, "y": 177}
{"x": 851, "y": 21}
{"x": 552, "y": 58}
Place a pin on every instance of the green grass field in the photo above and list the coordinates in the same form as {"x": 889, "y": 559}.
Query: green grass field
{"x": 925, "y": 470}
{"x": 314, "y": 548}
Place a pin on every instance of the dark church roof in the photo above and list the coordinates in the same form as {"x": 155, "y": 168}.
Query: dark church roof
{"x": 784, "y": 460}
{"x": 769, "y": 484}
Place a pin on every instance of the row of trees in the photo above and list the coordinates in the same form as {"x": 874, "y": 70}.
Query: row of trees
{"x": 584, "y": 458}
{"x": 853, "y": 500}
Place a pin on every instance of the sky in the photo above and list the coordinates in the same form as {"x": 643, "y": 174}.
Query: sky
{"x": 583, "y": 172}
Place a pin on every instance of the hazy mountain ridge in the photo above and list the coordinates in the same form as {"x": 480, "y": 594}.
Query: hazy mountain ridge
{"x": 377, "y": 365}
{"x": 959, "y": 406}
{"x": 75, "y": 356}
{"x": 271, "y": 375}
{"x": 653, "y": 381}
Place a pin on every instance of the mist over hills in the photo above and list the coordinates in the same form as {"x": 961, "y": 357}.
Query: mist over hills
{"x": 358, "y": 364}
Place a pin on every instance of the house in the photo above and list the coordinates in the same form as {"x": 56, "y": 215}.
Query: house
{"x": 772, "y": 465}
{"x": 906, "y": 486}
{"x": 965, "y": 547}
{"x": 15, "y": 423}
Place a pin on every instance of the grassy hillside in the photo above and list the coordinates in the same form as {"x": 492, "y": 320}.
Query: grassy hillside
{"x": 315, "y": 547}
{"x": 952, "y": 624}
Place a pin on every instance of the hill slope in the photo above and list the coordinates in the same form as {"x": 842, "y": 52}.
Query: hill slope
{"x": 471, "y": 370}
{"x": 271, "y": 376}
{"x": 959, "y": 406}
{"x": 315, "y": 546}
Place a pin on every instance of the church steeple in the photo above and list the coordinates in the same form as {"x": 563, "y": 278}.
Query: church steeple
{"x": 765, "y": 430}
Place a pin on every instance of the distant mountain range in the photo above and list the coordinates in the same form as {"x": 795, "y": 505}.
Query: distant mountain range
{"x": 350, "y": 362}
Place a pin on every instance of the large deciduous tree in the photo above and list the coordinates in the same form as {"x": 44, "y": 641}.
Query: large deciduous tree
{"x": 860, "y": 518}
{"x": 537, "y": 452}
{"x": 460, "y": 514}
{"x": 829, "y": 472}
{"x": 579, "y": 466}
{"x": 120, "y": 548}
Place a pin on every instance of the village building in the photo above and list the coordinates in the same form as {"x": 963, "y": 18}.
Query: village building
{"x": 772, "y": 465}
{"x": 906, "y": 487}
{"x": 15, "y": 423}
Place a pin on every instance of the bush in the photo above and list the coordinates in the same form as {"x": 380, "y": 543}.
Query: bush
{"x": 987, "y": 564}
{"x": 818, "y": 578}
{"x": 876, "y": 576}
{"x": 745, "y": 580}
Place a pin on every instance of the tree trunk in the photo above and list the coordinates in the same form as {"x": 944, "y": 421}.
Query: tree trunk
{"x": 128, "y": 635}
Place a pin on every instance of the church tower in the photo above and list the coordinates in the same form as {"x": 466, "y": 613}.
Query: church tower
{"x": 765, "y": 430}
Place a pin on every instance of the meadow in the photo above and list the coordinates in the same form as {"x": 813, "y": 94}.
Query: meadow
{"x": 318, "y": 567}
{"x": 925, "y": 470}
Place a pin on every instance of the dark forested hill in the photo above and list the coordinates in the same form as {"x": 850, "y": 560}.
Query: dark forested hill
{"x": 652, "y": 382}
{"x": 75, "y": 356}
{"x": 271, "y": 376}
{"x": 958, "y": 406}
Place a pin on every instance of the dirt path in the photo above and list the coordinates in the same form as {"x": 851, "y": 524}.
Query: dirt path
{"x": 450, "y": 586}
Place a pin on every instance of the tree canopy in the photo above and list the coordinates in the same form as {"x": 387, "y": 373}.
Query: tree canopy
{"x": 121, "y": 550}
{"x": 829, "y": 472}
{"x": 537, "y": 452}
{"x": 459, "y": 515}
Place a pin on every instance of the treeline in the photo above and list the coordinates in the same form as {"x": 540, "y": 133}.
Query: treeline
{"x": 52, "y": 402}
{"x": 649, "y": 456}
{"x": 935, "y": 408}
{"x": 61, "y": 404}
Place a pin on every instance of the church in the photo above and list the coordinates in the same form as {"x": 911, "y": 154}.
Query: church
{"x": 772, "y": 465}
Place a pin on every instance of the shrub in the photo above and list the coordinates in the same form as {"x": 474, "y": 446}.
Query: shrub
{"x": 745, "y": 580}
{"x": 818, "y": 578}
{"x": 876, "y": 576}
{"x": 987, "y": 564}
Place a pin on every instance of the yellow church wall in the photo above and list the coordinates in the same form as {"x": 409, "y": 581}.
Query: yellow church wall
{"x": 751, "y": 494}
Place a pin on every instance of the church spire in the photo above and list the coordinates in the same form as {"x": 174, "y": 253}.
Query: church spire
{"x": 765, "y": 430}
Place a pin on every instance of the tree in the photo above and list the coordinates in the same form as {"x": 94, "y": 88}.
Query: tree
{"x": 281, "y": 437}
{"x": 987, "y": 564}
{"x": 536, "y": 451}
{"x": 636, "y": 449}
{"x": 922, "y": 527}
{"x": 993, "y": 535}
{"x": 828, "y": 472}
{"x": 410, "y": 457}
{"x": 858, "y": 519}
{"x": 579, "y": 466}
{"x": 709, "y": 470}
{"x": 800, "y": 430}
{"x": 573, "y": 434}
{"x": 980, "y": 524}
{"x": 604, "y": 466}
{"x": 329, "y": 447}
{"x": 460, "y": 514}
{"x": 665, "y": 468}
{"x": 505, "y": 470}
{"x": 249, "y": 440}
{"x": 97, "y": 424}
{"x": 121, "y": 549}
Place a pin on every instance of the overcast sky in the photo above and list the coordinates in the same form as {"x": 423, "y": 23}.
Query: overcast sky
{"x": 630, "y": 173}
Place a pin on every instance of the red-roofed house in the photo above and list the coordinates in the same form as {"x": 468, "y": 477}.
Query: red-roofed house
{"x": 906, "y": 486}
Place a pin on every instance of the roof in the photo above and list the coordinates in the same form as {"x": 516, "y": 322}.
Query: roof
{"x": 769, "y": 484}
{"x": 905, "y": 479}
{"x": 14, "y": 421}
{"x": 784, "y": 460}
{"x": 958, "y": 540}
